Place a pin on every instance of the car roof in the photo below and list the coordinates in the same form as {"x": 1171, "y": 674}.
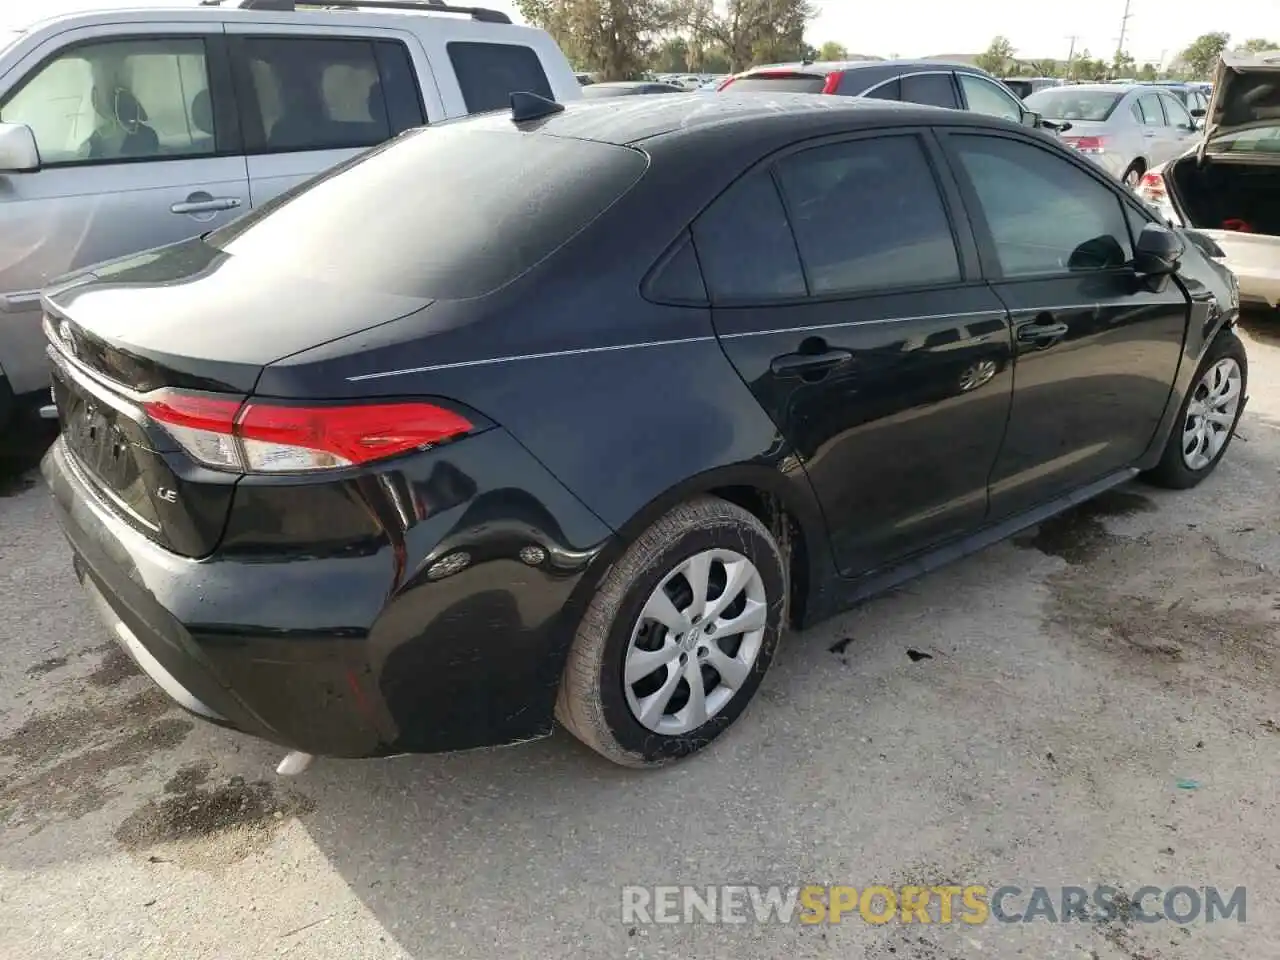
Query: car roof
{"x": 1118, "y": 88}
{"x": 824, "y": 67}
{"x": 642, "y": 118}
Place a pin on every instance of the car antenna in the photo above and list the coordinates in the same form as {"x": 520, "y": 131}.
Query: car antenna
{"x": 527, "y": 106}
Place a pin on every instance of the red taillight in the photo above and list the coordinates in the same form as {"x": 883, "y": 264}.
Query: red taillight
{"x": 1151, "y": 188}
{"x": 271, "y": 438}
{"x": 1236, "y": 225}
{"x": 832, "y": 84}
{"x": 1088, "y": 144}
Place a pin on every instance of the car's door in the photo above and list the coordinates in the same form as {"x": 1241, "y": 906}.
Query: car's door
{"x": 1154, "y": 128}
{"x": 311, "y": 99}
{"x": 136, "y": 129}
{"x": 1181, "y": 129}
{"x": 1096, "y": 347}
{"x": 850, "y": 301}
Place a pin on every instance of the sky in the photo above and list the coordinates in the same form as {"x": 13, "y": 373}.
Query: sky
{"x": 1037, "y": 29}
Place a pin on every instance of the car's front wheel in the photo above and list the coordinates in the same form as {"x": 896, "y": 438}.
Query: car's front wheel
{"x": 678, "y": 636}
{"x": 1209, "y": 416}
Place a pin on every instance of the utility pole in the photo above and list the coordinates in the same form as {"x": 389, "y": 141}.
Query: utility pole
{"x": 1071, "y": 53}
{"x": 1124, "y": 25}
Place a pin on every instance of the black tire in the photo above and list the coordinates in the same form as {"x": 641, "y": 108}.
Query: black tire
{"x": 1137, "y": 167}
{"x": 592, "y": 702}
{"x": 1172, "y": 471}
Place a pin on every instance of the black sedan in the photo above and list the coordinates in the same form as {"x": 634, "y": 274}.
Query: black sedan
{"x": 385, "y": 468}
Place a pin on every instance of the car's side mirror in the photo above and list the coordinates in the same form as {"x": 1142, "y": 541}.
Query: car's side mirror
{"x": 1032, "y": 119}
{"x": 18, "y": 151}
{"x": 1157, "y": 251}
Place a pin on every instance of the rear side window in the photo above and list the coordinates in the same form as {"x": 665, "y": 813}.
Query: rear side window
{"x": 322, "y": 94}
{"x": 745, "y": 245}
{"x": 488, "y": 73}
{"x": 931, "y": 89}
{"x": 867, "y": 215}
{"x": 775, "y": 83}
{"x": 890, "y": 90}
{"x": 377, "y": 223}
{"x": 1149, "y": 111}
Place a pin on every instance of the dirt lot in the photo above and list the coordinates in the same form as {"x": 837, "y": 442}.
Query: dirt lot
{"x": 1095, "y": 702}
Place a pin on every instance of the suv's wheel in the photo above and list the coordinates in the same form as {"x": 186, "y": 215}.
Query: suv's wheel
{"x": 1208, "y": 418}
{"x": 677, "y": 638}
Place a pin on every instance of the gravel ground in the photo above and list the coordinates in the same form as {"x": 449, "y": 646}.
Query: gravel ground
{"x": 1095, "y": 702}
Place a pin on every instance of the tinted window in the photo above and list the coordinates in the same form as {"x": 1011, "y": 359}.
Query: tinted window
{"x": 678, "y": 278}
{"x": 985, "y": 97}
{"x": 1045, "y": 215}
{"x": 120, "y": 100}
{"x": 1176, "y": 112}
{"x": 489, "y": 73}
{"x": 1068, "y": 103}
{"x": 1149, "y": 111}
{"x": 312, "y": 94}
{"x": 892, "y": 90}
{"x": 868, "y": 215}
{"x": 795, "y": 83}
{"x": 399, "y": 87}
{"x": 933, "y": 89}
{"x": 382, "y": 222}
{"x": 1023, "y": 88}
{"x": 745, "y": 244}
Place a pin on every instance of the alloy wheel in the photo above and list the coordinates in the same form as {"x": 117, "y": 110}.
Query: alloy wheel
{"x": 695, "y": 642}
{"x": 1211, "y": 413}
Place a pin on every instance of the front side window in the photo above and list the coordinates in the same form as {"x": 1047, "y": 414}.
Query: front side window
{"x": 319, "y": 94}
{"x": 119, "y": 100}
{"x": 931, "y": 89}
{"x": 986, "y": 98}
{"x": 488, "y": 73}
{"x": 867, "y": 215}
{"x": 1045, "y": 215}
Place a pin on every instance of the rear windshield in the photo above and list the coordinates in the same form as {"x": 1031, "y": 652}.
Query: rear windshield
{"x": 792, "y": 83}
{"x": 445, "y": 212}
{"x": 1064, "y": 103}
{"x": 1021, "y": 87}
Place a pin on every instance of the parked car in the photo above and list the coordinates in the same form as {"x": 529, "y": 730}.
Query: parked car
{"x": 1228, "y": 185}
{"x": 629, "y": 88}
{"x": 1025, "y": 86}
{"x": 1125, "y": 128}
{"x": 956, "y": 86}
{"x": 581, "y": 434}
{"x": 124, "y": 130}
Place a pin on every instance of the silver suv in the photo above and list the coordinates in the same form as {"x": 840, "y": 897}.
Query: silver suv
{"x": 130, "y": 129}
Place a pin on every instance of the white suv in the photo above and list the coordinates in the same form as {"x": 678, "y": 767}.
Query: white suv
{"x": 124, "y": 130}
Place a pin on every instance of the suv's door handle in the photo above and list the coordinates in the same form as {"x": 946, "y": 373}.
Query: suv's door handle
{"x": 1039, "y": 332}
{"x": 800, "y": 364}
{"x": 212, "y": 205}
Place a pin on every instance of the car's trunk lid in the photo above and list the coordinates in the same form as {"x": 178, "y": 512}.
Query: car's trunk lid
{"x": 1246, "y": 93}
{"x": 125, "y": 330}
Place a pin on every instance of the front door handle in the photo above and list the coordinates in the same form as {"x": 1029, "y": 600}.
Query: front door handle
{"x": 205, "y": 204}
{"x": 1041, "y": 332}
{"x": 806, "y": 364}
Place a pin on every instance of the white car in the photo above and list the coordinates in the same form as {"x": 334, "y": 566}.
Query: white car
{"x": 1228, "y": 187}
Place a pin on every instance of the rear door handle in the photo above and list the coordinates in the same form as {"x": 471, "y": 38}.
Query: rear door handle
{"x": 211, "y": 205}
{"x": 801, "y": 364}
{"x": 1040, "y": 332}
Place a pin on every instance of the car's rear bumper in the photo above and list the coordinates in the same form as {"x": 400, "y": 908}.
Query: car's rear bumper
{"x": 1255, "y": 260}
{"x": 380, "y": 653}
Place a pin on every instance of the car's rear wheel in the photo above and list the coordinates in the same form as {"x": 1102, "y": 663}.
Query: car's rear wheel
{"x": 1133, "y": 176}
{"x": 1208, "y": 418}
{"x": 677, "y": 638}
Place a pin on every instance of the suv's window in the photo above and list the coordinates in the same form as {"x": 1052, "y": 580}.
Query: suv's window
{"x": 1149, "y": 112}
{"x": 1045, "y": 215}
{"x": 745, "y": 245}
{"x": 322, "y": 94}
{"x": 932, "y": 89}
{"x": 1176, "y": 112}
{"x": 889, "y": 90}
{"x": 985, "y": 97}
{"x": 489, "y": 73}
{"x": 867, "y": 215}
{"x": 119, "y": 100}
{"x": 375, "y": 223}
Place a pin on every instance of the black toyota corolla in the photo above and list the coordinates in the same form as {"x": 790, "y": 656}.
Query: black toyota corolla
{"x": 568, "y": 412}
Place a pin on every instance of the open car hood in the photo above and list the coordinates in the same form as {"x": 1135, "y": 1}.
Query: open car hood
{"x": 1246, "y": 93}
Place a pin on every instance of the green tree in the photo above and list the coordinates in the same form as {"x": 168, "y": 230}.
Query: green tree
{"x": 763, "y": 31}
{"x": 612, "y": 37}
{"x": 1044, "y": 68}
{"x": 1122, "y": 64}
{"x": 1202, "y": 55}
{"x": 1148, "y": 71}
{"x": 671, "y": 56}
{"x": 833, "y": 51}
{"x": 997, "y": 57}
{"x": 1258, "y": 45}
